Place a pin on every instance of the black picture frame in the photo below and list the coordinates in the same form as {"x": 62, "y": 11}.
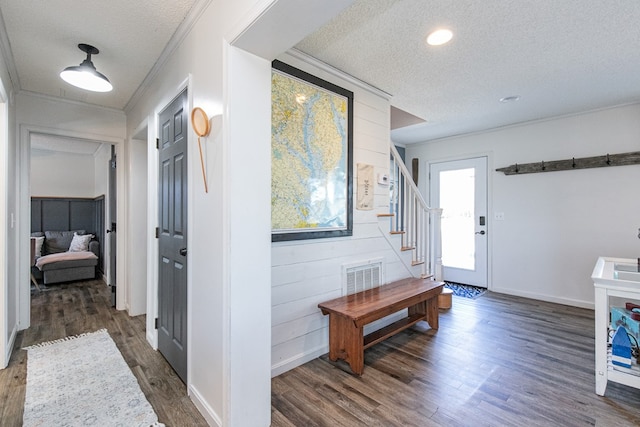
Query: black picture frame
{"x": 322, "y": 87}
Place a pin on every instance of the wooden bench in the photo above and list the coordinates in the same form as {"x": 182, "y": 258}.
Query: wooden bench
{"x": 349, "y": 314}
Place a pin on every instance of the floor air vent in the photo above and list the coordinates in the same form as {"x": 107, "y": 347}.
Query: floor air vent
{"x": 360, "y": 277}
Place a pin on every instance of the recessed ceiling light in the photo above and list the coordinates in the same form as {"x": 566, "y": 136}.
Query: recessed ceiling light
{"x": 512, "y": 98}
{"x": 439, "y": 37}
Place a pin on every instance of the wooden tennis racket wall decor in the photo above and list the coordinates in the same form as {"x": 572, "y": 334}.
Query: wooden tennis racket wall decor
{"x": 200, "y": 123}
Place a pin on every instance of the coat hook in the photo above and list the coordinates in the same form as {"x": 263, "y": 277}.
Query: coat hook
{"x": 517, "y": 170}
{"x": 608, "y": 159}
{"x": 573, "y": 162}
{"x": 544, "y": 168}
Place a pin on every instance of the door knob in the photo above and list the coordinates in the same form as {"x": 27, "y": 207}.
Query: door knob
{"x": 482, "y": 233}
{"x": 183, "y": 251}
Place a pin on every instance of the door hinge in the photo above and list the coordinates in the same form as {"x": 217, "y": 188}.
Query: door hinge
{"x": 157, "y": 143}
{"x": 157, "y": 232}
{"x": 156, "y": 323}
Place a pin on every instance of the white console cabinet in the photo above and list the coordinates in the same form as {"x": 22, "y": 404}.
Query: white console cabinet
{"x": 613, "y": 277}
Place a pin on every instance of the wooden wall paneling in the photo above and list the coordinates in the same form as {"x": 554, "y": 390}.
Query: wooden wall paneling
{"x": 82, "y": 215}
{"x": 55, "y": 215}
{"x": 36, "y": 215}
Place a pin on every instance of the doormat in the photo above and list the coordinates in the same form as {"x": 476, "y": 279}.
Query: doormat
{"x": 80, "y": 381}
{"x": 466, "y": 291}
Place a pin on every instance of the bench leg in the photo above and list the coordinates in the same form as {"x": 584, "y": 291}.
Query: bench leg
{"x": 428, "y": 310}
{"x": 346, "y": 342}
{"x": 432, "y": 312}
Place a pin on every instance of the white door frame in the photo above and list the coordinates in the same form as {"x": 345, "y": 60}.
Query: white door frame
{"x": 6, "y": 337}
{"x": 425, "y": 184}
{"x": 152, "y": 215}
{"x": 24, "y": 223}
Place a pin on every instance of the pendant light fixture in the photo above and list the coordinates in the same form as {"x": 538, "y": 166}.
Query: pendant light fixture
{"x": 85, "y": 76}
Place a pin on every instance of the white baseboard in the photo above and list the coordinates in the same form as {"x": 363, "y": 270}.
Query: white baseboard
{"x": 207, "y": 412}
{"x": 152, "y": 338}
{"x": 9, "y": 349}
{"x": 297, "y": 360}
{"x": 548, "y": 298}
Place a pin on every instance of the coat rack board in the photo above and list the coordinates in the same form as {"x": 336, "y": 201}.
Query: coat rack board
{"x": 621, "y": 159}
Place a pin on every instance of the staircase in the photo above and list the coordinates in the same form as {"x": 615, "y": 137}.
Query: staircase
{"x": 417, "y": 224}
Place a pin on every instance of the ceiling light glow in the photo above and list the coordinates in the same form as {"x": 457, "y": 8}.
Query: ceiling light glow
{"x": 439, "y": 37}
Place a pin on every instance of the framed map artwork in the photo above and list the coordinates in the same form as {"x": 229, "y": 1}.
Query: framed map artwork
{"x": 311, "y": 156}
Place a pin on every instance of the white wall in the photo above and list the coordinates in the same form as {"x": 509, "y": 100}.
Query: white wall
{"x": 137, "y": 228}
{"x": 305, "y": 273}
{"x": 200, "y": 61}
{"x": 229, "y": 232}
{"x": 556, "y": 224}
{"x": 59, "y": 174}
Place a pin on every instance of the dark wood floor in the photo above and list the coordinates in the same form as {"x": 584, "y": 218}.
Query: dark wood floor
{"x": 495, "y": 361}
{"x": 74, "y": 308}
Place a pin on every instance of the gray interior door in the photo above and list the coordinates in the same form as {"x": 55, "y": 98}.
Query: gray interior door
{"x": 172, "y": 235}
{"x": 113, "y": 213}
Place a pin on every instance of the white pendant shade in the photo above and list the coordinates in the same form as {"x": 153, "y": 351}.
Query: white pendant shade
{"x": 87, "y": 79}
{"x": 85, "y": 76}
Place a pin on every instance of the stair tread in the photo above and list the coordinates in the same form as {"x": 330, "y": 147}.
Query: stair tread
{"x": 396, "y": 232}
{"x": 381, "y": 215}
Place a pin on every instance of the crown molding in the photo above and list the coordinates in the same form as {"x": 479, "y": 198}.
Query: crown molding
{"x": 7, "y": 54}
{"x": 304, "y": 57}
{"x": 176, "y": 40}
{"x": 69, "y": 101}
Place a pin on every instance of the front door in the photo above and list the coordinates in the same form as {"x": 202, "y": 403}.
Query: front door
{"x": 460, "y": 189}
{"x": 172, "y": 235}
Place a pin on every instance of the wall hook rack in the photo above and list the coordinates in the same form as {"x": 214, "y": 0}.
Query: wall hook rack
{"x": 622, "y": 159}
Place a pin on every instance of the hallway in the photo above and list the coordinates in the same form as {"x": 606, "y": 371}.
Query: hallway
{"x": 78, "y": 307}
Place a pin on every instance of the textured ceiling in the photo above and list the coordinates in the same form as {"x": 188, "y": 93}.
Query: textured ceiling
{"x": 131, "y": 35}
{"x": 559, "y": 56}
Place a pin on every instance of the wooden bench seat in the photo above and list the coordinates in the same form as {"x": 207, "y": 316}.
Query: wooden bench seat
{"x": 349, "y": 314}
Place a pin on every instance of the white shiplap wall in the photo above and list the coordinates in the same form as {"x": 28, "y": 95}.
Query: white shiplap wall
{"x": 305, "y": 273}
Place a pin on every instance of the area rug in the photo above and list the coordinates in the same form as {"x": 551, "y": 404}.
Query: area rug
{"x": 83, "y": 381}
{"x": 466, "y": 291}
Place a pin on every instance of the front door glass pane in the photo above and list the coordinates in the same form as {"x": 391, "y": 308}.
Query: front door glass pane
{"x": 457, "y": 190}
